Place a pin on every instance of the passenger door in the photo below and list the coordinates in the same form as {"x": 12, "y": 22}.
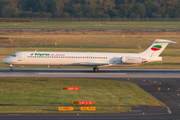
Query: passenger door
{"x": 19, "y": 57}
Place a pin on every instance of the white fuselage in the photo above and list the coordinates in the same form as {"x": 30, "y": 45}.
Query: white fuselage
{"x": 75, "y": 58}
{"x": 88, "y": 59}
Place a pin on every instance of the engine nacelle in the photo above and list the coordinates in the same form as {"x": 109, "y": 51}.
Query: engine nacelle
{"x": 133, "y": 60}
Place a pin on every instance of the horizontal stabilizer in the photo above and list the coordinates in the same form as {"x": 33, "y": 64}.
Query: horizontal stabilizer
{"x": 163, "y": 41}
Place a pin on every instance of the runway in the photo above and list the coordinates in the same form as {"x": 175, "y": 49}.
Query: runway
{"x": 148, "y": 79}
{"x": 88, "y": 73}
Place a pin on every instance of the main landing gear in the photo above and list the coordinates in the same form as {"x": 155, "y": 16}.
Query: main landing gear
{"x": 95, "y": 69}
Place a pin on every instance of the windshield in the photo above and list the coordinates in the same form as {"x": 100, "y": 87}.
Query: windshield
{"x": 14, "y": 55}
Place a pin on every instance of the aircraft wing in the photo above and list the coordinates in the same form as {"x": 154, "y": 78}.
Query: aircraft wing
{"x": 92, "y": 64}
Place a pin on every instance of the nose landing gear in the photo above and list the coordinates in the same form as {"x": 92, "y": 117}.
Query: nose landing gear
{"x": 95, "y": 69}
{"x": 11, "y": 68}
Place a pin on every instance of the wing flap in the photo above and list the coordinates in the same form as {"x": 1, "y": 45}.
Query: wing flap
{"x": 92, "y": 64}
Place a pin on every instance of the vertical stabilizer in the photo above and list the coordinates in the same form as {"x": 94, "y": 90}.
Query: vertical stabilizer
{"x": 157, "y": 47}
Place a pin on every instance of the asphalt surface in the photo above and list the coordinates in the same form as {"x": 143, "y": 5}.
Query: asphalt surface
{"x": 88, "y": 73}
{"x": 169, "y": 93}
{"x": 151, "y": 29}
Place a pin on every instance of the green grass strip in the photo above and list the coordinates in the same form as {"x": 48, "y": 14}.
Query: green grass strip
{"x": 47, "y": 91}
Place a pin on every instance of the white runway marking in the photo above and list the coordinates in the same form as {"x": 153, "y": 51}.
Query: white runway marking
{"x": 12, "y": 75}
{"x": 83, "y": 73}
{"x": 168, "y": 109}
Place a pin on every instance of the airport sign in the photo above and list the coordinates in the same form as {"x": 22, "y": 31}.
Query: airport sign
{"x": 88, "y": 108}
{"x": 71, "y": 88}
{"x": 85, "y": 102}
{"x": 82, "y": 102}
{"x": 65, "y": 108}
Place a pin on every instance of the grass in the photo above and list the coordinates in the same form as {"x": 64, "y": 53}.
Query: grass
{"x": 23, "y": 109}
{"x": 44, "y": 95}
{"x": 90, "y": 25}
{"x": 91, "y": 39}
{"x": 47, "y": 91}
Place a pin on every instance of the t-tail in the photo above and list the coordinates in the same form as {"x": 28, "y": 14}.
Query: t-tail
{"x": 157, "y": 47}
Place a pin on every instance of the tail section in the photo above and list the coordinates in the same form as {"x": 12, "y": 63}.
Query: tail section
{"x": 157, "y": 47}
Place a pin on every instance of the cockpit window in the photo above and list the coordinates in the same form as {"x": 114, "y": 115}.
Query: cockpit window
{"x": 14, "y": 55}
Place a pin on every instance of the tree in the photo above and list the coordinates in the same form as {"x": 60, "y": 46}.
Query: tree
{"x": 77, "y": 10}
{"x": 58, "y": 8}
{"x": 173, "y": 8}
{"x": 36, "y": 5}
{"x": 10, "y": 10}
{"x": 125, "y": 10}
{"x": 138, "y": 11}
{"x": 89, "y": 8}
{"x": 155, "y": 10}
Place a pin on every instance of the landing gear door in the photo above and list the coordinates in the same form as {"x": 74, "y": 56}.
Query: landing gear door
{"x": 19, "y": 57}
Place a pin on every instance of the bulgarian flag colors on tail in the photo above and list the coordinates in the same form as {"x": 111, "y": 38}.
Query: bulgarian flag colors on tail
{"x": 156, "y": 47}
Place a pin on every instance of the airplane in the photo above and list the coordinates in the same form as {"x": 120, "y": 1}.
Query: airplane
{"x": 93, "y": 59}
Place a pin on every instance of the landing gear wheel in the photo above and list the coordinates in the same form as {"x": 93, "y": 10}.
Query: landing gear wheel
{"x": 95, "y": 69}
{"x": 11, "y": 68}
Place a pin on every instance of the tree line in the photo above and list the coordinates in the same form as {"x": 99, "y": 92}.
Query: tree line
{"x": 89, "y": 8}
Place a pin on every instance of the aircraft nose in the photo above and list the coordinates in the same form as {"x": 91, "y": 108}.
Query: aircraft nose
{"x": 5, "y": 61}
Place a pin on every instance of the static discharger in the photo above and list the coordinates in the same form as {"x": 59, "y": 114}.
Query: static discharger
{"x": 71, "y": 88}
{"x": 88, "y": 108}
{"x": 65, "y": 108}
